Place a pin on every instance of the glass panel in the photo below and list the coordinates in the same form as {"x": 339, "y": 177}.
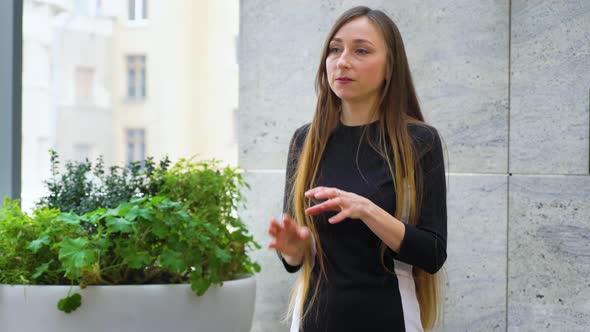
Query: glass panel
{"x": 143, "y": 82}
{"x": 130, "y": 152}
{"x": 131, "y": 10}
{"x": 145, "y": 9}
{"x": 131, "y": 84}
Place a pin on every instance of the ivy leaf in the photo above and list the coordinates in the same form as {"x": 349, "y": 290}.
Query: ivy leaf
{"x": 211, "y": 229}
{"x": 69, "y": 218}
{"x": 160, "y": 229}
{"x": 73, "y": 256}
{"x": 112, "y": 212}
{"x": 41, "y": 269}
{"x": 103, "y": 244}
{"x": 256, "y": 267}
{"x": 70, "y": 303}
{"x": 184, "y": 215}
{"x": 135, "y": 259}
{"x": 173, "y": 261}
{"x": 157, "y": 199}
{"x": 95, "y": 216}
{"x": 119, "y": 225}
{"x": 223, "y": 255}
{"x": 199, "y": 285}
{"x": 132, "y": 213}
{"x": 136, "y": 211}
{"x": 35, "y": 245}
{"x": 146, "y": 213}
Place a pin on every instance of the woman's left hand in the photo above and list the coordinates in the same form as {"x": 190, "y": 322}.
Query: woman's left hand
{"x": 349, "y": 204}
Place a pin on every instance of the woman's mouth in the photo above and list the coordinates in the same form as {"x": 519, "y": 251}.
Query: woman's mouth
{"x": 343, "y": 80}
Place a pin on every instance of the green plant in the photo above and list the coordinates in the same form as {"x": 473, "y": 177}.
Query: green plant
{"x": 184, "y": 229}
{"x": 84, "y": 187}
{"x": 18, "y": 265}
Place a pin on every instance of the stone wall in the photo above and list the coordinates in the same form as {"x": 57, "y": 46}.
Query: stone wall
{"x": 507, "y": 83}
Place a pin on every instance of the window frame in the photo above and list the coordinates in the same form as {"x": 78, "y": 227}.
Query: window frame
{"x": 11, "y": 35}
{"x": 136, "y": 64}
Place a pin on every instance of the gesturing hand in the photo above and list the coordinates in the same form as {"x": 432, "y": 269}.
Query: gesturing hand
{"x": 349, "y": 204}
{"x": 289, "y": 239}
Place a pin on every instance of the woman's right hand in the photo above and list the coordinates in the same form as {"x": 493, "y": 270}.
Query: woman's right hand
{"x": 289, "y": 239}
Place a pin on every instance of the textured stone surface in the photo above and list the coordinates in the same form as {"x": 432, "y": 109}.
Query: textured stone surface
{"x": 550, "y": 87}
{"x": 461, "y": 79}
{"x": 527, "y": 250}
{"x": 549, "y": 263}
{"x": 264, "y": 201}
{"x": 476, "y": 249}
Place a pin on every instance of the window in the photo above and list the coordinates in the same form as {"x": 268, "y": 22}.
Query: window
{"x": 136, "y": 80}
{"x": 84, "y": 85}
{"x": 135, "y": 145}
{"x": 138, "y": 10}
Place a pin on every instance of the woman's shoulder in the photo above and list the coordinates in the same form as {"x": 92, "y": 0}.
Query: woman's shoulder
{"x": 425, "y": 136}
{"x": 300, "y": 134}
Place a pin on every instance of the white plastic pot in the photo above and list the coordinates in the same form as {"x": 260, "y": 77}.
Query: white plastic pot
{"x": 166, "y": 308}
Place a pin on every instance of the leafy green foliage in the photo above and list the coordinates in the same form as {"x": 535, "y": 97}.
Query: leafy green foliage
{"x": 84, "y": 187}
{"x": 70, "y": 303}
{"x": 173, "y": 225}
{"x": 21, "y": 238}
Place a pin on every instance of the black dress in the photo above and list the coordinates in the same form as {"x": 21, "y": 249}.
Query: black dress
{"x": 359, "y": 294}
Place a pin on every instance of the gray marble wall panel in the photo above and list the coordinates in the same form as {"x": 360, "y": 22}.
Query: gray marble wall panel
{"x": 549, "y": 260}
{"x": 264, "y": 200}
{"x": 476, "y": 249}
{"x": 524, "y": 250}
{"x": 461, "y": 78}
{"x": 550, "y": 87}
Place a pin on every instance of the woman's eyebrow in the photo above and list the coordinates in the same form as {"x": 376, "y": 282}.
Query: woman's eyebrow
{"x": 356, "y": 41}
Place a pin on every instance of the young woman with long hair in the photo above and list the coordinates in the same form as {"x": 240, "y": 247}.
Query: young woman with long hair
{"x": 365, "y": 216}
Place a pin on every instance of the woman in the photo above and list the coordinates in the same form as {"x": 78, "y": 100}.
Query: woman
{"x": 371, "y": 250}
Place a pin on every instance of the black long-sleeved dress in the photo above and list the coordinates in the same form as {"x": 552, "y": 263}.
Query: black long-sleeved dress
{"x": 359, "y": 294}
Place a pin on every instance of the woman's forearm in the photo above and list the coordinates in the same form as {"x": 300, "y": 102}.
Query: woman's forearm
{"x": 293, "y": 260}
{"x": 390, "y": 230}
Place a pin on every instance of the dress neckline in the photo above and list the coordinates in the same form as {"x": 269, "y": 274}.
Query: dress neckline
{"x": 348, "y": 128}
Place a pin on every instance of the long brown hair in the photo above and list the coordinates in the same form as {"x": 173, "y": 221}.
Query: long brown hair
{"x": 397, "y": 106}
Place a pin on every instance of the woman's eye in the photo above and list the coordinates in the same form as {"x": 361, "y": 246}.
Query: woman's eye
{"x": 334, "y": 49}
{"x": 361, "y": 51}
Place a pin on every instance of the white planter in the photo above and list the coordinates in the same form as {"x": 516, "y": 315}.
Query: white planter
{"x": 146, "y": 308}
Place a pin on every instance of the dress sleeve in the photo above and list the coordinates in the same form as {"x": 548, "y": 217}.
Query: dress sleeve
{"x": 424, "y": 245}
{"x": 295, "y": 147}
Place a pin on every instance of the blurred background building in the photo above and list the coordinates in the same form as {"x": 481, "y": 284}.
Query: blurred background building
{"x": 126, "y": 80}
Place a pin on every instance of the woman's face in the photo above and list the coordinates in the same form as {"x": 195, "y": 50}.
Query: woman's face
{"x": 356, "y": 61}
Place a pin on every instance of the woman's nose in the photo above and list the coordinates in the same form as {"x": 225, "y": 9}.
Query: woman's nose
{"x": 343, "y": 61}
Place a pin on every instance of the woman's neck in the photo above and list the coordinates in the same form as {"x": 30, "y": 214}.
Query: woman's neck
{"x": 357, "y": 113}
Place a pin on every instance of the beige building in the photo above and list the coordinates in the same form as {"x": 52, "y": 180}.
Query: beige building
{"x": 39, "y": 102}
{"x": 175, "y": 82}
{"x": 127, "y": 80}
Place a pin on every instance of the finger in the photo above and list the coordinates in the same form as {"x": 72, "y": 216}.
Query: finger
{"x": 329, "y": 205}
{"x": 328, "y": 193}
{"x": 273, "y": 231}
{"x": 312, "y": 191}
{"x": 277, "y": 225}
{"x": 274, "y": 226}
{"x": 303, "y": 233}
{"x": 339, "y": 217}
{"x": 273, "y": 245}
{"x": 290, "y": 223}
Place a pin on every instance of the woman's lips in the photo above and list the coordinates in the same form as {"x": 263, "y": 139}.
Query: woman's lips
{"x": 343, "y": 80}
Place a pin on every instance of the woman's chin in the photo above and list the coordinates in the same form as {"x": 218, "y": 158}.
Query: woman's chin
{"x": 345, "y": 95}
